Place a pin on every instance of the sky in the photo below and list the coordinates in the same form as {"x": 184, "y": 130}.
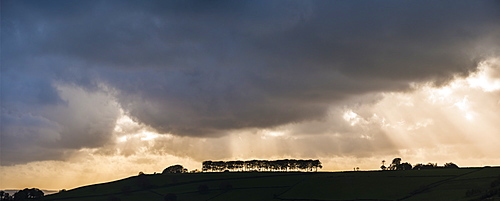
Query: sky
{"x": 94, "y": 91}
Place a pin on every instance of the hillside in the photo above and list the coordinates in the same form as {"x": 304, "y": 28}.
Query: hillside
{"x": 435, "y": 184}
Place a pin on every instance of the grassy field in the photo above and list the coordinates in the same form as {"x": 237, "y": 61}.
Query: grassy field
{"x": 435, "y": 184}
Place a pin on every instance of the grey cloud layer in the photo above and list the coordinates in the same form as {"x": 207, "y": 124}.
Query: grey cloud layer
{"x": 203, "y": 69}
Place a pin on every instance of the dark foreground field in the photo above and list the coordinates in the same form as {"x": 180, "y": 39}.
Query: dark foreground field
{"x": 435, "y": 184}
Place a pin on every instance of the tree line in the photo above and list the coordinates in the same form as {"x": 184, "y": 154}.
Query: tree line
{"x": 25, "y": 194}
{"x": 262, "y": 165}
{"x": 398, "y": 165}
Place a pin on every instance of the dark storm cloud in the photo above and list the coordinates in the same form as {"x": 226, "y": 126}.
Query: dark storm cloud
{"x": 203, "y": 68}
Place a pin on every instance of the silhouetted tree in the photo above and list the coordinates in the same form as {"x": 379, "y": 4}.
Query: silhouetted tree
{"x": 382, "y": 167}
{"x": 404, "y": 166}
{"x": 395, "y": 163}
{"x": 283, "y": 165}
{"x": 230, "y": 165}
{"x": 429, "y": 166}
{"x": 206, "y": 166}
{"x": 7, "y": 197}
{"x": 421, "y": 166}
{"x": 301, "y": 165}
{"x": 20, "y": 196}
{"x": 450, "y": 165}
{"x": 254, "y": 164}
{"x": 317, "y": 164}
{"x": 264, "y": 165}
{"x": 240, "y": 165}
{"x": 28, "y": 193}
{"x": 2, "y": 195}
{"x": 174, "y": 169}
{"x": 418, "y": 166}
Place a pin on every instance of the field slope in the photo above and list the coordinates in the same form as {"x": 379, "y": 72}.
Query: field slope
{"x": 435, "y": 184}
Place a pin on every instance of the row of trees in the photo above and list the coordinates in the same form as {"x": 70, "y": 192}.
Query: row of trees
{"x": 262, "y": 165}
{"x": 25, "y": 194}
{"x": 397, "y": 165}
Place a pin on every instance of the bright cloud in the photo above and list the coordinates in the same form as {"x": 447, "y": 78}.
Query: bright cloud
{"x": 488, "y": 76}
